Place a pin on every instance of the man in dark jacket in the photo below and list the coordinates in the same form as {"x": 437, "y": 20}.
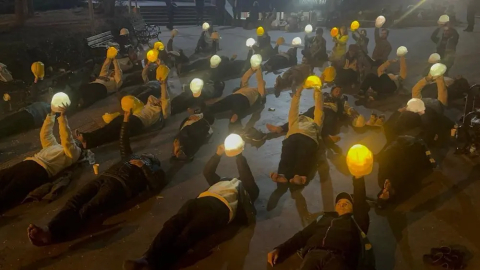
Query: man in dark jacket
{"x": 124, "y": 180}
{"x": 336, "y": 240}
{"x": 472, "y": 9}
{"x": 446, "y": 44}
{"x": 383, "y": 48}
{"x": 227, "y": 200}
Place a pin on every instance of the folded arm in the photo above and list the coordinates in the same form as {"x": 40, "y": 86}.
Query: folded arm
{"x": 381, "y": 69}
{"x": 46, "y": 133}
{"x": 68, "y": 143}
{"x": 209, "y": 172}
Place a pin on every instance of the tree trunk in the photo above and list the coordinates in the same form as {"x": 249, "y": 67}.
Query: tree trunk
{"x": 31, "y": 9}
{"x": 19, "y": 12}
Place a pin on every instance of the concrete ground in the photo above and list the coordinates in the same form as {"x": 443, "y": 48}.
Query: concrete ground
{"x": 444, "y": 212}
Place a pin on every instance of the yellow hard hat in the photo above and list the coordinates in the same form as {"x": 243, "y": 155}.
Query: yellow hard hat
{"x": 260, "y": 31}
{"x": 280, "y": 41}
{"x": 158, "y": 46}
{"x": 355, "y": 25}
{"x": 131, "y": 103}
{"x": 312, "y": 82}
{"x": 152, "y": 56}
{"x": 38, "y": 70}
{"x": 162, "y": 72}
{"x": 108, "y": 117}
{"x": 112, "y": 53}
{"x": 359, "y": 160}
{"x": 329, "y": 74}
{"x": 334, "y": 32}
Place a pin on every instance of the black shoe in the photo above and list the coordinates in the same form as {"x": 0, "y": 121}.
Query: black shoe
{"x": 255, "y": 135}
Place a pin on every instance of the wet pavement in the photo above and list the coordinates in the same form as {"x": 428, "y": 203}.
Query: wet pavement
{"x": 443, "y": 212}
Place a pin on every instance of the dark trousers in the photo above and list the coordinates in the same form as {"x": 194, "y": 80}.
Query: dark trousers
{"x": 193, "y": 136}
{"x": 16, "y": 123}
{"x": 237, "y": 13}
{"x": 197, "y": 219}
{"x": 346, "y": 77}
{"x": 90, "y": 93}
{"x": 323, "y": 260}
{"x": 17, "y": 181}
{"x": 237, "y": 103}
{"x": 200, "y": 64}
{"x": 298, "y": 156}
{"x": 97, "y": 197}
{"x": 381, "y": 85}
{"x": 111, "y": 131}
{"x": 200, "y": 6}
{"x": 471, "y": 11}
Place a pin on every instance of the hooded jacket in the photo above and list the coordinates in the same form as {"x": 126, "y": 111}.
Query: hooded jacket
{"x": 345, "y": 234}
{"x": 135, "y": 179}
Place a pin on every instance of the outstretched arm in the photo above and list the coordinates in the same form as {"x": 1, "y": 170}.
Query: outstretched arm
{"x": 245, "y": 174}
{"x": 377, "y": 35}
{"x": 403, "y": 67}
{"x": 417, "y": 89}
{"x": 46, "y": 133}
{"x": 361, "y": 209}
{"x": 318, "y": 113}
{"x": 105, "y": 68}
{"x": 209, "y": 172}
{"x": 246, "y": 77}
{"x": 298, "y": 241}
{"x": 125, "y": 148}
{"x": 145, "y": 73}
{"x": 260, "y": 84}
{"x": 164, "y": 99}
{"x": 294, "y": 107}
{"x": 381, "y": 69}
{"x": 70, "y": 149}
{"x": 118, "y": 74}
{"x": 442, "y": 91}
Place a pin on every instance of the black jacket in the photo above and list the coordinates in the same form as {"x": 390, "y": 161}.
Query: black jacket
{"x": 333, "y": 232}
{"x": 134, "y": 179}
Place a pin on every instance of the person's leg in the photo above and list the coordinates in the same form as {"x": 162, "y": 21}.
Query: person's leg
{"x": 16, "y": 123}
{"x": 286, "y": 165}
{"x": 330, "y": 122}
{"x": 20, "y": 179}
{"x": 306, "y": 156}
{"x": 470, "y": 17}
{"x": 223, "y": 105}
{"x": 385, "y": 85}
{"x": 108, "y": 133}
{"x": 369, "y": 81}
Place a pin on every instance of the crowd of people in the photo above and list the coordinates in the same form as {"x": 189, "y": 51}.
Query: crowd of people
{"x": 335, "y": 240}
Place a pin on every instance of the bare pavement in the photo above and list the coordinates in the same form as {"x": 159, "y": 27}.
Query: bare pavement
{"x": 444, "y": 212}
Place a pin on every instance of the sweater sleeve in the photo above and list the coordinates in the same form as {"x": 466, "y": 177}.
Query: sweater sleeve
{"x": 442, "y": 91}
{"x": 66, "y": 138}
{"x": 246, "y": 77}
{"x": 105, "y": 68}
{"x": 381, "y": 69}
{"x": 417, "y": 89}
{"x": 318, "y": 113}
{"x": 298, "y": 241}
{"x": 403, "y": 67}
{"x": 361, "y": 209}
{"x": 145, "y": 74}
{"x": 260, "y": 84}
{"x": 165, "y": 101}
{"x": 294, "y": 109}
{"x": 209, "y": 172}
{"x": 118, "y": 74}
{"x": 46, "y": 133}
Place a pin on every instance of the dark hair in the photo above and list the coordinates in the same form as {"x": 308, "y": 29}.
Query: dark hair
{"x": 319, "y": 30}
{"x": 386, "y": 30}
{"x": 219, "y": 86}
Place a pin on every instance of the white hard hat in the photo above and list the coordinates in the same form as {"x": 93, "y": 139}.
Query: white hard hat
{"x": 256, "y": 60}
{"x": 124, "y": 32}
{"x": 443, "y": 19}
{"x": 234, "y": 145}
{"x": 416, "y": 105}
{"x": 434, "y": 58}
{"x": 380, "y": 21}
{"x": 250, "y": 42}
{"x": 402, "y": 51}
{"x": 308, "y": 29}
{"x": 438, "y": 69}
{"x": 215, "y": 61}
{"x": 297, "y": 41}
{"x": 205, "y": 26}
{"x": 196, "y": 86}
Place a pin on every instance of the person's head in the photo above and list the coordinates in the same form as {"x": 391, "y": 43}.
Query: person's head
{"x": 363, "y": 32}
{"x": 336, "y": 92}
{"x": 319, "y": 31}
{"x": 343, "y": 30}
{"x": 384, "y": 33}
{"x": 344, "y": 204}
{"x": 447, "y": 30}
{"x": 124, "y": 32}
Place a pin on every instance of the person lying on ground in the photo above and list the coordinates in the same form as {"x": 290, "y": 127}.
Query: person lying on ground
{"x": 349, "y": 74}
{"x": 195, "y": 130}
{"x": 25, "y": 119}
{"x": 124, "y": 180}
{"x": 17, "y": 181}
{"x": 300, "y": 146}
{"x": 107, "y": 82}
{"x": 400, "y": 164}
{"x": 227, "y": 200}
{"x": 264, "y": 45}
{"x": 154, "y": 111}
{"x": 457, "y": 88}
{"x": 186, "y": 100}
{"x": 336, "y": 109}
{"x": 293, "y": 77}
{"x": 446, "y": 43}
{"x": 336, "y": 240}
{"x": 205, "y": 42}
{"x": 281, "y": 59}
{"x": 316, "y": 49}
{"x": 243, "y": 99}
{"x": 383, "y": 83}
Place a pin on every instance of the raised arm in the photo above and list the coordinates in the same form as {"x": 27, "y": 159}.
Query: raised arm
{"x": 145, "y": 73}
{"x": 342, "y": 40}
{"x": 417, "y": 89}
{"x": 361, "y": 208}
{"x": 68, "y": 143}
{"x": 403, "y": 67}
{"x": 125, "y": 148}
{"x": 164, "y": 99}
{"x": 209, "y": 172}
{"x": 377, "y": 35}
{"x": 46, "y": 133}
{"x": 260, "y": 83}
{"x": 442, "y": 91}
{"x": 170, "y": 45}
{"x": 294, "y": 107}
{"x": 105, "y": 68}
{"x": 355, "y": 35}
{"x": 246, "y": 76}
{"x": 381, "y": 69}
{"x": 118, "y": 74}
{"x": 318, "y": 113}
{"x": 434, "y": 37}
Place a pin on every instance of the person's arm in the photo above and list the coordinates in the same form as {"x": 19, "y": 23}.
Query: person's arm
{"x": 354, "y": 35}
{"x": 145, "y": 73}
{"x": 209, "y": 172}
{"x": 361, "y": 208}
{"x": 294, "y": 107}
{"x": 105, "y": 68}
{"x": 170, "y": 45}
{"x": 442, "y": 91}
{"x": 342, "y": 40}
{"x": 403, "y": 67}
{"x": 164, "y": 100}
{"x": 377, "y": 35}
{"x": 318, "y": 113}
{"x": 245, "y": 174}
{"x": 381, "y": 69}
{"x": 434, "y": 37}
{"x": 70, "y": 149}
{"x": 298, "y": 241}
{"x": 125, "y": 148}
{"x": 417, "y": 89}
{"x": 260, "y": 84}
{"x": 214, "y": 46}
{"x": 246, "y": 77}
{"x": 118, "y": 74}
{"x": 46, "y": 133}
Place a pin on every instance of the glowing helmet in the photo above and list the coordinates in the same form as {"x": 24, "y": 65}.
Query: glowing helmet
{"x": 196, "y": 86}
{"x": 162, "y": 73}
{"x": 234, "y": 145}
{"x": 38, "y": 70}
{"x": 434, "y": 58}
{"x": 215, "y": 61}
{"x": 112, "y": 53}
{"x": 260, "y": 31}
{"x": 402, "y": 51}
{"x": 205, "y": 26}
{"x": 438, "y": 69}
{"x": 255, "y": 60}
{"x": 58, "y": 100}
{"x": 250, "y": 42}
{"x": 296, "y": 42}
{"x": 158, "y": 46}
{"x": 416, "y": 105}
{"x": 124, "y": 32}
{"x": 131, "y": 103}
{"x": 152, "y": 56}
{"x": 308, "y": 29}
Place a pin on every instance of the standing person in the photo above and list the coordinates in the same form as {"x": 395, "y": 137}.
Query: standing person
{"x": 446, "y": 43}
{"x": 226, "y": 201}
{"x": 316, "y": 49}
{"x": 124, "y": 180}
{"x": 336, "y": 240}
{"x": 472, "y": 9}
{"x": 17, "y": 181}
{"x": 237, "y": 12}
{"x": 220, "y": 7}
{"x": 361, "y": 39}
{"x": 340, "y": 47}
{"x": 383, "y": 48}
{"x": 199, "y": 4}
{"x": 27, "y": 118}
{"x": 170, "y": 13}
